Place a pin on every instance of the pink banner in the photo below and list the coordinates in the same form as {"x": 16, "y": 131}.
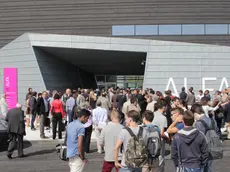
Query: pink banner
{"x": 11, "y": 86}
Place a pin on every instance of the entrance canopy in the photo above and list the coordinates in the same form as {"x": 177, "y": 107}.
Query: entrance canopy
{"x": 100, "y": 62}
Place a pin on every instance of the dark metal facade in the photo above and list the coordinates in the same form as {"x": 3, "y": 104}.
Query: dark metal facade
{"x": 96, "y": 17}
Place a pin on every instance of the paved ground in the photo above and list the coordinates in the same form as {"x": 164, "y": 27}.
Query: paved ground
{"x": 41, "y": 157}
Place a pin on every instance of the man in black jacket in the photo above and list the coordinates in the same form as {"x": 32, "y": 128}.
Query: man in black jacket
{"x": 121, "y": 99}
{"x": 16, "y": 130}
{"x": 189, "y": 146}
{"x": 42, "y": 107}
{"x": 183, "y": 94}
{"x": 32, "y": 104}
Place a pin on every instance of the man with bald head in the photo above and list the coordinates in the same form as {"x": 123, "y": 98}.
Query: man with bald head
{"x": 65, "y": 97}
{"x": 16, "y": 130}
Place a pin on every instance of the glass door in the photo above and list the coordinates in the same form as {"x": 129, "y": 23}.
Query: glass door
{"x": 110, "y": 84}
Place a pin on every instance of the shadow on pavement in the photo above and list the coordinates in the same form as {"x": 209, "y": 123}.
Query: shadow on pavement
{"x": 93, "y": 151}
{"x": 4, "y": 147}
{"x": 42, "y": 152}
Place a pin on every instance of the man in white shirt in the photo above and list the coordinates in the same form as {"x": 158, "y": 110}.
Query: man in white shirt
{"x": 199, "y": 96}
{"x": 99, "y": 120}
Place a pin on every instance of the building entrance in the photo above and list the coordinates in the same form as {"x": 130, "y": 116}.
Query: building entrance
{"x": 119, "y": 81}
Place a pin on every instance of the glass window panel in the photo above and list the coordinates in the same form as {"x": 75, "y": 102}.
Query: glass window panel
{"x": 112, "y": 78}
{"x": 169, "y": 29}
{"x": 229, "y": 29}
{"x": 125, "y": 30}
{"x": 193, "y": 29}
{"x": 146, "y": 30}
{"x": 216, "y": 29}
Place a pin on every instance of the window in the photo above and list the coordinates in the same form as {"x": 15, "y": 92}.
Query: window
{"x": 125, "y": 30}
{"x": 193, "y": 29}
{"x": 216, "y": 29}
{"x": 172, "y": 29}
{"x": 169, "y": 29}
{"x": 111, "y": 78}
{"x": 146, "y": 30}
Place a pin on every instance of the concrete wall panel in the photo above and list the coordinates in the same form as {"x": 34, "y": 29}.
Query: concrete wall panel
{"x": 96, "y": 18}
{"x": 191, "y": 61}
{"x": 57, "y": 74}
{"x": 19, "y": 54}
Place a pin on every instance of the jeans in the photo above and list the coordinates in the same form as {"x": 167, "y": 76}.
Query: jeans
{"x": 208, "y": 167}
{"x": 186, "y": 169}
{"x": 33, "y": 119}
{"x": 126, "y": 169}
{"x": 70, "y": 116}
{"x": 193, "y": 169}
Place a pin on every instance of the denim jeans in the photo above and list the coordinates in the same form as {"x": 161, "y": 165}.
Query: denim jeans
{"x": 208, "y": 167}
{"x": 126, "y": 169}
{"x": 70, "y": 115}
{"x": 186, "y": 169}
{"x": 33, "y": 119}
{"x": 193, "y": 169}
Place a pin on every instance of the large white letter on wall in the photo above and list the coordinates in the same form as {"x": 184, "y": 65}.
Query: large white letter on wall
{"x": 224, "y": 81}
{"x": 185, "y": 83}
{"x": 203, "y": 83}
{"x": 171, "y": 81}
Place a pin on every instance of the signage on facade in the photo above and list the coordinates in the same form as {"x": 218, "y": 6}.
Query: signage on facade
{"x": 224, "y": 84}
{"x": 11, "y": 86}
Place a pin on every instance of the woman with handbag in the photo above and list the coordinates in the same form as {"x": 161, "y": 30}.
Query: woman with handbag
{"x": 57, "y": 116}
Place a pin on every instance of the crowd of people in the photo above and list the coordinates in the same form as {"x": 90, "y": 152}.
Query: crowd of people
{"x": 132, "y": 126}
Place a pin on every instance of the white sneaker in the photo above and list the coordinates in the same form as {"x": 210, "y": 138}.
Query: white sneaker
{"x": 100, "y": 152}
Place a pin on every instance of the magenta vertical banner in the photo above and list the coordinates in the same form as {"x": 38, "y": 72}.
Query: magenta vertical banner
{"x": 11, "y": 86}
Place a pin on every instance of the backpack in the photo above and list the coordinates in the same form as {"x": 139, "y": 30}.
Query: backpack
{"x": 214, "y": 144}
{"x": 62, "y": 151}
{"x": 154, "y": 144}
{"x": 136, "y": 152}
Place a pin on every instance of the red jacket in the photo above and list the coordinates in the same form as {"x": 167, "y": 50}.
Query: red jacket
{"x": 58, "y": 107}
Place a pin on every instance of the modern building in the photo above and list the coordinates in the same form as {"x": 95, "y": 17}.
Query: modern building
{"x": 164, "y": 44}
